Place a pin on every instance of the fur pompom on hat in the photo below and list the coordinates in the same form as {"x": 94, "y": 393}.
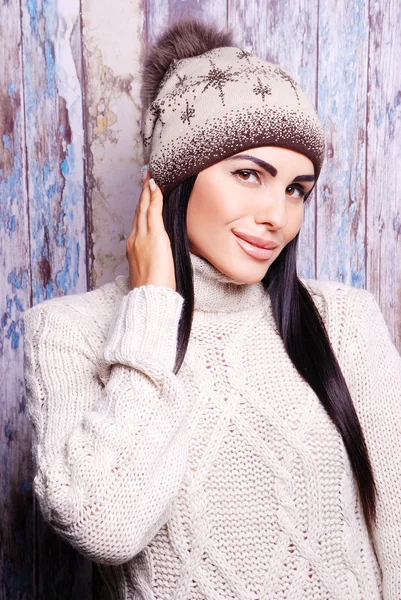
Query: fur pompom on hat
{"x": 204, "y": 98}
{"x": 185, "y": 39}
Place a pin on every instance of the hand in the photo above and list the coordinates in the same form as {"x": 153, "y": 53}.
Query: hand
{"x": 149, "y": 253}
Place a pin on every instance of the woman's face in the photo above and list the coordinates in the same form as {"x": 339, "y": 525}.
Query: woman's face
{"x": 257, "y": 192}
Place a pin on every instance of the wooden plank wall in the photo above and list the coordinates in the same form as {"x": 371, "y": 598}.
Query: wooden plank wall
{"x": 70, "y": 162}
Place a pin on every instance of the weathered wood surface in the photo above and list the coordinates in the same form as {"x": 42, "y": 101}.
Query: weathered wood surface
{"x": 17, "y": 517}
{"x": 112, "y": 110}
{"x": 54, "y": 149}
{"x": 70, "y": 160}
{"x": 383, "y": 185}
{"x": 342, "y": 97}
{"x": 43, "y": 253}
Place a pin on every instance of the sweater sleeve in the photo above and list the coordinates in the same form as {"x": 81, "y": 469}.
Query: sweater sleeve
{"x": 372, "y": 366}
{"x": 109, "y": 458}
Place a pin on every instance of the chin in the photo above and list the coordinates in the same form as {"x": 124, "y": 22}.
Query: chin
{"x": 244, "y": 273}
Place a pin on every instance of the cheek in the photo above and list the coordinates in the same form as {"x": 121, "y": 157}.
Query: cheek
{"x": 295, "y": 218}
{"x": 207, "y": 213}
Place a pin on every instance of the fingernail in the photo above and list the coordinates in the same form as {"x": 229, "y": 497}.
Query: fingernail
{"x": 152, "y": 184}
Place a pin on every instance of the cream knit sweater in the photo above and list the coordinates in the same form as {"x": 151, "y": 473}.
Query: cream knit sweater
{"x": 227, "y": 481}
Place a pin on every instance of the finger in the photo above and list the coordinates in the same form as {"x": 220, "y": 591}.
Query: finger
{"x": 142, "y": 226}
{"x": 145, "y": 179}
{"x": 155, "y": 218}
{"x": 142, "y": 223}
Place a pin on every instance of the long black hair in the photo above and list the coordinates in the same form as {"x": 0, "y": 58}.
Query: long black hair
{"x": 301, "y": 328}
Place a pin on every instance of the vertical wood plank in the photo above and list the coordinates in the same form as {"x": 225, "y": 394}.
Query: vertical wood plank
{"x": 54, "y": 146}
{"x": 112, "y": 48}
{"x": 161, "y": 14}
{"x": 285, "y": 34}
{"x": 342, "y": 90}
{"x": 383, "y": 162}
{"x": 17, "y": 573}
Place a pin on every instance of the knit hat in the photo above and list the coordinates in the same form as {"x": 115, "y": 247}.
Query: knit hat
{"x": 205, "y": 99}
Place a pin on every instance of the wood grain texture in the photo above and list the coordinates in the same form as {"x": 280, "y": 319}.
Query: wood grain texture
{"x": 17, "y": 555}
{"x": 112, "y": 46}
{"x": 54, "y": 150}
{"x": 54, "y": 147}
{"x": 384, "y": 162}
{"x": 260, "y": 28}
{"x": 342, "y": 93}
{"x": 160, "y": 14}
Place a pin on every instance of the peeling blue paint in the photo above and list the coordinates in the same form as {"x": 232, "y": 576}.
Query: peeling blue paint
{"x": 51, "y": 89}
{"x": 10, "y": 225}
{"x": 357, "y": 280}
{"x": 46, "y": 171}
{"x": 18, "y": 304}
{"x": 33, "y": 9}
{"x": 18, "y": 281}
{"x": 341, "y": 114}
{"x": 64, "y": 279}
{"x": 14, "y": 335}
{"x": 60, "y": 235}
{"x": 390, "y": 116}
{"x": 11, "y": 187}
{"x": 8, "y": 433}
{"x": 64, "y": 168}
{"x": 52, "y": 190}
{"x": 54, "y": 186}
{"x": 7, "y": 143}
{"x": 9, "y": 303}
{"x": 10, "y": 89}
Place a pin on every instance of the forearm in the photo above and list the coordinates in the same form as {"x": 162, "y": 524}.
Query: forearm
{"x": 108, "y": 471}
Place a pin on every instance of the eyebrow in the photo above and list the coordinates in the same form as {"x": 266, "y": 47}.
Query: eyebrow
{"x": 268, "y": 167}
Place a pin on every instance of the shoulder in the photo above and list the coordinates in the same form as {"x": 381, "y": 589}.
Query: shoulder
{"x": 342, "y": 306}
{"x": 90, "y": 313}
{"x": 332, "y": 295}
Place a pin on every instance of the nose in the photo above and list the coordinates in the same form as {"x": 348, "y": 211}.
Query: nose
{"x": 273, "y": 211}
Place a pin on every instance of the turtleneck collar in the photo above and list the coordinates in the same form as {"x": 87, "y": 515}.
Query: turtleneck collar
{"x": 216, "y": 292}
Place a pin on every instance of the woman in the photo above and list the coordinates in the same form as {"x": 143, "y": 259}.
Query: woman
{"x": 210, "y": 426}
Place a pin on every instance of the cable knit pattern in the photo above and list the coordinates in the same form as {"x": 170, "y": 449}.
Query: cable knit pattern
{"x": 228, "y": 480}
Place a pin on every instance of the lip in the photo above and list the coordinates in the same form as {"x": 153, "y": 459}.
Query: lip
{"x": 256, "y": 241}
{"x": 254, "y": 251}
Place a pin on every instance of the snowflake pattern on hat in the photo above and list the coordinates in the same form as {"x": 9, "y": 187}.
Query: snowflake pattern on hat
{"x": 262, "y": 89}
{"x": 217, "y": 78}
{"x": 188, "y": 113}
{"x": 244, "y": 54}
{"x": 278, "y": 71}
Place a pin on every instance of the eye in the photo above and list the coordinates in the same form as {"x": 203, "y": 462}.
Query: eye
{"x": 299, "y": 189}
{"x": 246, "y": 173}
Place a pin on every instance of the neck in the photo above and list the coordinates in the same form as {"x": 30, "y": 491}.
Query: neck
{"x": 216, "y": 292}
